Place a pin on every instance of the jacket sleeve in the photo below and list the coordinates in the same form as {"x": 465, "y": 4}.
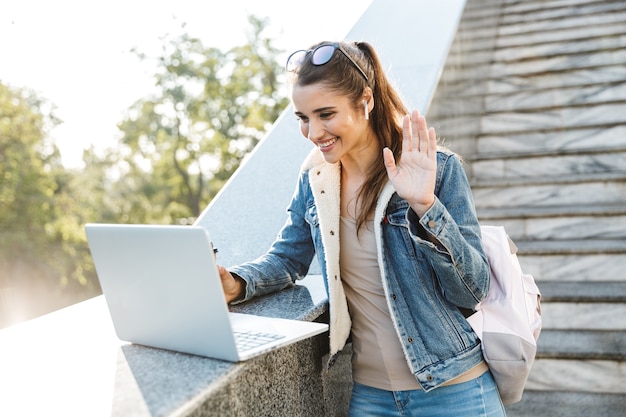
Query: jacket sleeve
{"x": 457, "y": 257}
{"x": 290, "y": 255}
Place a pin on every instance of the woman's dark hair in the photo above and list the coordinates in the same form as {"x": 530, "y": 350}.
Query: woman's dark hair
{"x": 341, "y": 76}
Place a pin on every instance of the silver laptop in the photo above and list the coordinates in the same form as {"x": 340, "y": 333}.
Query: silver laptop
{"x": 163, "y": 290}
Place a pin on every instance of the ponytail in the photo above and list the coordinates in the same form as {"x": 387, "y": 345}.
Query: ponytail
{"x": 386, "y": 120}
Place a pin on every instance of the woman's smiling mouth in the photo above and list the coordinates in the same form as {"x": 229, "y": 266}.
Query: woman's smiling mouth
{"x": 324, "y": 146}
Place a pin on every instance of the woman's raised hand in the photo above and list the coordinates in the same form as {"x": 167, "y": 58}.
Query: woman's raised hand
{"x": 413, "y": 177}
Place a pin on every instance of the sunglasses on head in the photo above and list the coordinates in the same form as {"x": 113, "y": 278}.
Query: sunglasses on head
{"x": 319, "y": 56}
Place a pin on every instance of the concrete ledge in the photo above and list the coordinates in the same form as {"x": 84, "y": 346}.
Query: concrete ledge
{"x": 71, "y": 363}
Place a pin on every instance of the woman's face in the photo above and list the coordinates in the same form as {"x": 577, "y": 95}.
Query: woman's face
{"x": 330, "y": 121}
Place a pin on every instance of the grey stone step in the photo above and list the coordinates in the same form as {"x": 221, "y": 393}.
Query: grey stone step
{"x": 544, "y": 18}
{"x": 490, "y": 215}
{"x": 475, "y": 16}
{"x": 560, "y": 227}
{"x": 557, "y": 63}
{"x": 476, "y": 81}
{"x": 581, "y": 95}
{"x": 610, "y": 28}
{"x": 573, "y": 179}
{"x": 599, "y": 376}
{"x": 513, "y": 54}
{"x": 607, "y": 72}
{"x": 479, "y": 45}
{"x": 528, "y": 10}
{"x": 572, "y": 247}
{"x": 582, "y": 344}
{"x": 549, "y": 164}
{"x": 479, "y": 28}
{"x": 609, "y": 189}
{"x": 531, "y": 223}
{"x": 583, "y": 43}
{"x": 583, "y": 316}
{"x": 602, "y": 138}
{"x": 583, "y": 292}
{"x": 545, "y": 153}
{"x": 589, "y": 14}
{"x": 535, "y": 71}
{"x": 586, "y": 260}
{"x": 558, "y": 118}
{"x": 567, "y": 404}
{"x": 544, "y": 99}
{"x": 529, "y": 122}
{"x": 575, "y": 265}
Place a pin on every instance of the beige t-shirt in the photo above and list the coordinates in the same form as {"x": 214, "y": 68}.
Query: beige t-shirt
{"x": 378, "y": 360}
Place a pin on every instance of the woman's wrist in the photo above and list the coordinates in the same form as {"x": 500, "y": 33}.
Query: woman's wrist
{"x": 421, "y": 208}
{"x": 239, "y": 289}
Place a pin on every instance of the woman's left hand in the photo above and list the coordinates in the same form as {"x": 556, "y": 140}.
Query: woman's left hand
{"x": 414, "y": 176}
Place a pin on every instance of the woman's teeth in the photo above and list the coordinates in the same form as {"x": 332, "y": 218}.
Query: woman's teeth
{"x": 327, "y": 143}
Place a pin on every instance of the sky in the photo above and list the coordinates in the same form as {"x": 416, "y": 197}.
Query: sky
{"x": 76, "y": 54}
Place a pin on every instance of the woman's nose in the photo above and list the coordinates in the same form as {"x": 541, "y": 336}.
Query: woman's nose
{"x": 315, "y": 131}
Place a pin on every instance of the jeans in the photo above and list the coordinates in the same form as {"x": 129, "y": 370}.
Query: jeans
{"x": 476, "y": 398}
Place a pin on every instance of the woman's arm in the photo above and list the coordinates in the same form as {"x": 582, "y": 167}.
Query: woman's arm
{"x": 287, "y": 260}
{"x": 457, "y": 257}
{"x": 442, "y": 217}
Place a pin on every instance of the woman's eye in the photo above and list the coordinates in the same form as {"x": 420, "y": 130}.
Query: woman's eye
{"x": 325, "y": 115}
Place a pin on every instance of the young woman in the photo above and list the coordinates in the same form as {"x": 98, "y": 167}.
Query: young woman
{"x": 392, "y": 221}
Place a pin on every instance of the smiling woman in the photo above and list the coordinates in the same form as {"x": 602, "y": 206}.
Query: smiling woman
{"x": 389, "y": 217}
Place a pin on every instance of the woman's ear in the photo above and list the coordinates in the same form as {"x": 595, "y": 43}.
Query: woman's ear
{"x": 368, "y": 101}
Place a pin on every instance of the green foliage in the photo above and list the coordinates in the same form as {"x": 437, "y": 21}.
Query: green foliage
{"x": 209, "y": 109}
{"x": 176, "y": 150}
{"x": 42, "y": 247}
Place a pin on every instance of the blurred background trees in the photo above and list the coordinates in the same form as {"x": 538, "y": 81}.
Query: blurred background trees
{"x": 175, "y": 150}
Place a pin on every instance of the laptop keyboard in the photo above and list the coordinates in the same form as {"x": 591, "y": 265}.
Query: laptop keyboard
{"x": 249, "y": 339}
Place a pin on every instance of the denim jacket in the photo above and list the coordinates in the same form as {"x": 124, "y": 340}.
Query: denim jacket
{"x": 426, "y": 284}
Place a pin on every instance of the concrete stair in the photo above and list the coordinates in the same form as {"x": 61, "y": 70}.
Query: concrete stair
{"x": 533, "y": 97}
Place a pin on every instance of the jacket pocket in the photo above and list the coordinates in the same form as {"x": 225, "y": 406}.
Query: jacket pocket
{"x": 311, "y": 216}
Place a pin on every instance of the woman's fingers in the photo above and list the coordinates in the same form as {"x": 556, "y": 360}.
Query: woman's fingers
{"x": 423, "y": 135}
{"x": 390, "y": 163}
{"x": 417, "y": 136}
{"x": 415, "y": 133}
{"x": 416, "y": 130}
{"x": 406, "y": 133}
{"x": 432, "y": 145}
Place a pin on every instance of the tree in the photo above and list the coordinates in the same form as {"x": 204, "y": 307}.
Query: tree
{"x": 176, "y": 150}
{"x": 209, "y": 109}
{"x": 42, "y": 247}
